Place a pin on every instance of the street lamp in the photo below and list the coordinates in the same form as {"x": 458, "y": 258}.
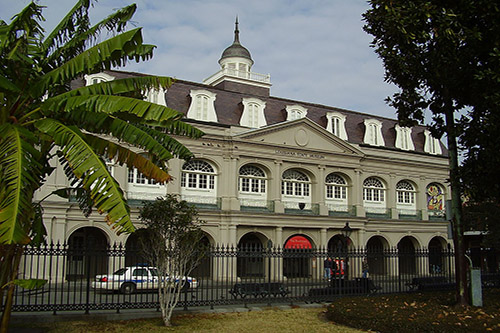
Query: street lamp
{"x": 346, "y": 232}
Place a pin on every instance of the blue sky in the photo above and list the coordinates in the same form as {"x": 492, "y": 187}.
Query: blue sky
{"x": 315, "y": 51}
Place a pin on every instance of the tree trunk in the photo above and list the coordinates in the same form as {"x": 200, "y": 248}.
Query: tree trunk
{"x": 13, "y": 267}
{"x": 456, "y": 209}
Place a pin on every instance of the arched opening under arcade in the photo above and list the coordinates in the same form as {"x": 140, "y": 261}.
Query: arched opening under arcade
{"x": 407, "y": 255}
{"x": 204, "y": 267}
{"x": 135, "y": 247}
{"x": 375, "y": 252}
{"x": 250, "y": 259}
{"x": 297, "y": 252}
{"x": 87, "y": 253}
{"x": 437, "y": 262}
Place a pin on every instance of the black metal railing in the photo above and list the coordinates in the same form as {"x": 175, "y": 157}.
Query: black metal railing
{"x": 230, "y": 275}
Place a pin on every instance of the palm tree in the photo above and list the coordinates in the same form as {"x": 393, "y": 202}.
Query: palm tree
{"x": 42, "y": 118}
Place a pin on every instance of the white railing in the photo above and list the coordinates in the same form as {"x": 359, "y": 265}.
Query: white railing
{"x": 337, "y": 207}
{"x": 264, "y": 78}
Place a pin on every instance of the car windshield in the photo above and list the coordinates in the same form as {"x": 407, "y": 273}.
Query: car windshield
{"x": 121, "y": 271}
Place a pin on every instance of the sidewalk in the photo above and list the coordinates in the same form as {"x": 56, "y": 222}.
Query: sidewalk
{"x": 104, "y": 315}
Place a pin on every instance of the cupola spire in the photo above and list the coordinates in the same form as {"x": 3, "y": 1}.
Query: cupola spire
{"x": 236, "y": 32}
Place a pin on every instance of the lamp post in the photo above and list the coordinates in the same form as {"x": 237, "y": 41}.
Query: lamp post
{"x": 346, "y": 233}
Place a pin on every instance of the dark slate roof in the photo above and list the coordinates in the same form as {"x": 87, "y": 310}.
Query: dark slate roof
{"x": 229, "y": 108}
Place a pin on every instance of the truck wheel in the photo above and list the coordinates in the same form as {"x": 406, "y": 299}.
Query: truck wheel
{"x": 128, "y": 288}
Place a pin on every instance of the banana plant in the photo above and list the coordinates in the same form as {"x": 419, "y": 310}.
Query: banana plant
{"x": 42, "y": 118}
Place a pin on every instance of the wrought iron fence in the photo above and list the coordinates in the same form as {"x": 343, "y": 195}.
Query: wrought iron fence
{"x": 227, "y": 275}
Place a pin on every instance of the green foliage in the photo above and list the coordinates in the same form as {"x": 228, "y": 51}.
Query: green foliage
{"x": 40, "y": 116}
{"x": 29, "y": 283}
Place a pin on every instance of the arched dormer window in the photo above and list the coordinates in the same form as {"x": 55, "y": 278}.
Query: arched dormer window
{"x": 432, "y": 145}
{"x": 97, "y": 78}
{"x": 156, "y": 96}
{"x": 295, "y": 112}
{"x": 202, "y": 106}
{"x": 336, "y": 124}
{"x": 253, "y": 113}
{"x": 403, "y": 138}
{"x": 373, "y": 132}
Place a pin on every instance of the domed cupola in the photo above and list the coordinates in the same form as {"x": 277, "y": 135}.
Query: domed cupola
{"x": 235, "y": 73}
{"x": 236, "y": 50}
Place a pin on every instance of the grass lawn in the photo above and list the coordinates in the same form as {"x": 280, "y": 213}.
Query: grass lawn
{"x": 272, "y": 320}
{"x": 417, "y": 312}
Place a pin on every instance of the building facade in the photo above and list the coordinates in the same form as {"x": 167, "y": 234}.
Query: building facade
{"x": 283, "y": 172}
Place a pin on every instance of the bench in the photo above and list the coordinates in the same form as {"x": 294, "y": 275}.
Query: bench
{"x": 262, "y": 289}
{"x": 430, "y": 283}
{"x": 346, "y": 287}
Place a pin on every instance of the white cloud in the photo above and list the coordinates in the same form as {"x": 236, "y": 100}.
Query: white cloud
{"x": 315, "y": 51}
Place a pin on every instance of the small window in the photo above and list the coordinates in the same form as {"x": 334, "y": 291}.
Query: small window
{"x": 432, "y": 145}
{"x": 295, "y": 112}
{"x": 252, "y": 180}
{"x": 373, "y": 132}
{"x": 202, "y": 106}
{"x": 198, "y": 174}
{"x": 295, "y": 183}
{"x": 336, "y": 124}
{"x": 253, "y": 113}
{"x": 403, "y": 138}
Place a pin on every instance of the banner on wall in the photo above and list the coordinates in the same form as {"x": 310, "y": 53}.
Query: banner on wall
{"x": 298, "y": 242}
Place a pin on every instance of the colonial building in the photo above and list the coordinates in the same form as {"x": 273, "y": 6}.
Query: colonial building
{"x": 276, "y": 171}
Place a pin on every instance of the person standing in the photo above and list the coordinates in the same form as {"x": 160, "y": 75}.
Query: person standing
{"x": 328, "y": 268}
{"x": 365, "y": 268}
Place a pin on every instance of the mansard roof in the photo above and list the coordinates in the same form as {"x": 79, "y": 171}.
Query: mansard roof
{"x": 229, "y": 108}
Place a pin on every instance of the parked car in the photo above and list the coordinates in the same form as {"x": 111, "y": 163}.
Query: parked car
{"x": 129, "y": 279}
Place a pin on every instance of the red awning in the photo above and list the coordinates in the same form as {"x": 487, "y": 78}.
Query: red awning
{"x": 298, "y": 242}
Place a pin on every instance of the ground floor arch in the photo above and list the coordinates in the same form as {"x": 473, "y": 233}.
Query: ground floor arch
{"x": 375, "y": 252}
{"x": 296, "y": 263}
{"x": 407, "y": 255}
{"x": 250, "y": 259}
{"x": 87, "y": 253}
{"x": 437, "y": 247}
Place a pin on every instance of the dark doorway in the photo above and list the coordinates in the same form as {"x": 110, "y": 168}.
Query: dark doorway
{"x": 204, "y": 268}
{"x": 407, "y": 258}
{"x": 375, "y": 256}
{"x": 250, "y": 262}
{"x": 136, "y": 249}
{"x": 435, "y": 256}
{"x": 87, "y": 254}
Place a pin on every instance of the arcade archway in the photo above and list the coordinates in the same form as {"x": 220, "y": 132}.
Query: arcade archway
{"x": 377, "y": 261}
{"x": 250, "y": 261}
{"x": 407, "y": 256}
{"x": 296, "y": 262}
{"x": 87, "y": 253}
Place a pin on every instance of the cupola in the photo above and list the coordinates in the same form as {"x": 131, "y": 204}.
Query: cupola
{"x": 235, "y": 73}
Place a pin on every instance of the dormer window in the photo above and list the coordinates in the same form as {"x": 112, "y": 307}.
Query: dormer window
{"x": 97, "y": 78}
{"x": 373, "y": 133}
{"x": 336, "y": 124}
{"x": 403, "y": 138}
{"x": 295, "y": 112}
{"x": 202, "y": 106}
{"x": 253, "y": 113}
{"x": 156, "y": 96}
{"x": 432, "y": 145}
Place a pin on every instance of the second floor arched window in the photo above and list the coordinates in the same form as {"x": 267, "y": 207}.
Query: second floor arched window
{"x": 373, "y": 190}
{"x": 199, "y": 175}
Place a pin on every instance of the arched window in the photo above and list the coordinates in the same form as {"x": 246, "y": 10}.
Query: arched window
{"x": 295, "y": 112}
{"x": 202, "y": 105}
{"x": 405, "y": 192}
{"x": 253, "y": 113}
{"x": 252, "y": 180}
{"x": 198, "y": 174}
{"x": 373, "y": 190}
{"x": 295, "y": 183}
{"x": 136, "y": 177}
{"x": 336, "y": 187}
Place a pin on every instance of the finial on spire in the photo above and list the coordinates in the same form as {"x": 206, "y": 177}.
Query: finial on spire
{"x": 236, "y": 32}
